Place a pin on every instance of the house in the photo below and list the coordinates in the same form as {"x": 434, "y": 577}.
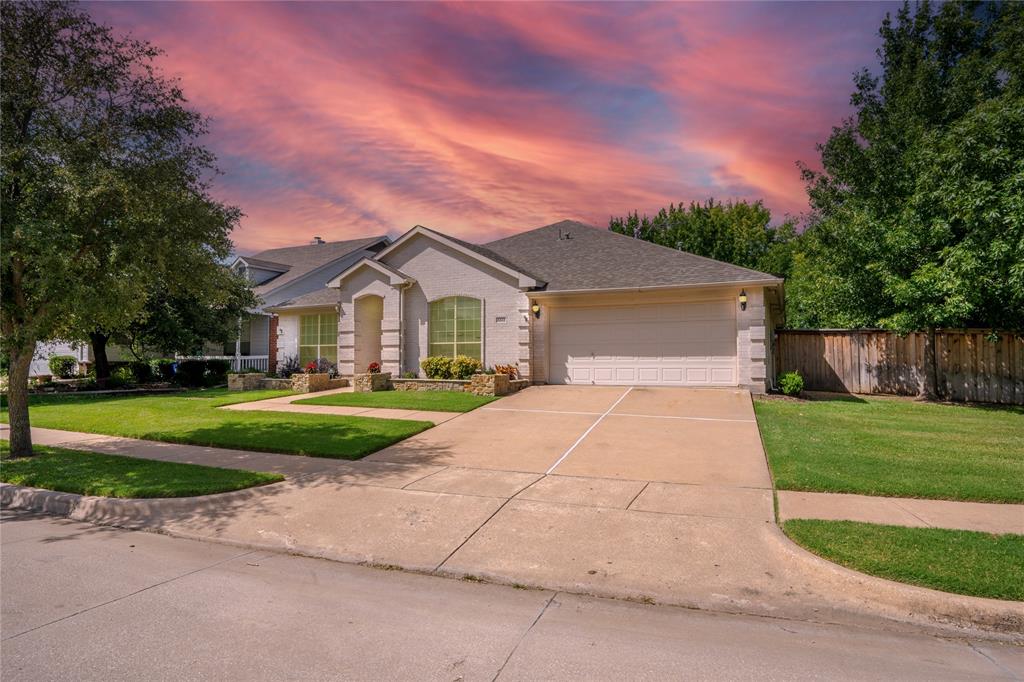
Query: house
{"x": 291, "y": 281}
{"x": 567, "y": 303}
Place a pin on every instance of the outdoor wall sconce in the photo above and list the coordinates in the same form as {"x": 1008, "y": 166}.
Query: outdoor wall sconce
{"x": 536, "y": 310}
{"x": 743, "y": 299}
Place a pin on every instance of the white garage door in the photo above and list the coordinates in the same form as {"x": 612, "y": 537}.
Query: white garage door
{"x": 679, "y": 344}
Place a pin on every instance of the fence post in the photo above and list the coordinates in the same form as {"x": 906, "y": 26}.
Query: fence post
{"x": 931, "y": 383}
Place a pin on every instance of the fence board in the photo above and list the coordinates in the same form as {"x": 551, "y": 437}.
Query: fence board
{"x": 968, "y": 366}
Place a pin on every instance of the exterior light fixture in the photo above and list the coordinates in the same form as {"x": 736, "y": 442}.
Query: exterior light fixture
{"x": 536, "y": 310}
{"x": 743, "y": 299}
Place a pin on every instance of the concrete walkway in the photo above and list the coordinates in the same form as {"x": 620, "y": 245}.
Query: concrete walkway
{"x": 902, "y": 511}
{"x": 288, "y": 404}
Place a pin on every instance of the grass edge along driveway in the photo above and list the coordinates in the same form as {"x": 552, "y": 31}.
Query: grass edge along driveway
{"x": 92, "y": 473}
{"x": 895, "y": 448}
{"x": 440, "y": 401}
{"x": 192, "y": 417}
{"x": 959, "y": 561}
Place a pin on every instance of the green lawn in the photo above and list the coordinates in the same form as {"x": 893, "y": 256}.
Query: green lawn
{"x": 896, "y": 448}
{"x": 192, "y": 417}
{"x": 90, "y": 473}
{"x": 442, "y": 401}
{"x": 960, "y": 561}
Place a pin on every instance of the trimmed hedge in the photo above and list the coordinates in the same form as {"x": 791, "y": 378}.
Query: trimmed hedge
{"x": 63, "y": 366}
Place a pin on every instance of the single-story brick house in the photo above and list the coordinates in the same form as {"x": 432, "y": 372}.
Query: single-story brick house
{"x": 567, "y": 303}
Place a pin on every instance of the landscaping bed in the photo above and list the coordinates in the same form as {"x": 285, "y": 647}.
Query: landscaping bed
{"x": 90, "y": 473}
{"x": 192, "y": 417}
{"x": 960, "y": 561}
{"x": 895, "y": 448}
{"x": 441, "y": 401}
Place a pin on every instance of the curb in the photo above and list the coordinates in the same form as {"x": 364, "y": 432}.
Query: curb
{"x": 854, "y": 594}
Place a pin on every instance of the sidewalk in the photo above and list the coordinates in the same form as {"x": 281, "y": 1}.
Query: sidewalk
{"x": 287, "y": 404}
{"x": 902, "y": 511}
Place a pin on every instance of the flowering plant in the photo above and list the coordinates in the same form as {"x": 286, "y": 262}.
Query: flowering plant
{"x": 373, "y": 368}
{"x": 310, "y": 367}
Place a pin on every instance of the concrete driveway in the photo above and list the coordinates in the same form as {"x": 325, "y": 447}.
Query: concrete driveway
{"x": 671, "y": 450}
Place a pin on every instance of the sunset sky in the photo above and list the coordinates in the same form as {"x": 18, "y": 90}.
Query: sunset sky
{"x": 481, "y": 120}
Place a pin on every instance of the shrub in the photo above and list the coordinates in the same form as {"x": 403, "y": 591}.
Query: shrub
{"x": 288, "y": 366}
{"x": 142, "y": 372}
{"x": 63, "y": 366}
{"x": 120, "y": 377}
{"x": 163, "y": 368}
{"x": 217, "y": 371}
{"x": 437, "y": 367}
{"x": 191, "y": 373}
{"x": 791, "y": 383}
{"x": 409, "y": 375}
{"x": 463, "y": 367}
{"x": 511, "y": 370}
{"x": 373, "y": 368}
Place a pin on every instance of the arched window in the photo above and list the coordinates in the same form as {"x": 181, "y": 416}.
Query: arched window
{"x": 455, "y": 327}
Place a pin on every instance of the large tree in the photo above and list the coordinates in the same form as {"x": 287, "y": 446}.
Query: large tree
{"x": 105, "y": 188}
{"x": 918, "y": 212}
{"x": 736, "y": 232}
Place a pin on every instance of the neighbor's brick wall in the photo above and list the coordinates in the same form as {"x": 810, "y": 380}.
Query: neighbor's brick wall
{"x": 272, "y": 341}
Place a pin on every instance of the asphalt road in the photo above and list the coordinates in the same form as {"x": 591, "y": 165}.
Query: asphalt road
{"x": 84, "y": 602}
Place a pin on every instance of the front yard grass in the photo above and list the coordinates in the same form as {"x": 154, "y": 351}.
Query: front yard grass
{"x": 90, "y": 473}
{"x": 895, "y": 448}
{"x": 192, "y": 417}
{"x": 442, "y": 401}
{"x": 960, "y": 561}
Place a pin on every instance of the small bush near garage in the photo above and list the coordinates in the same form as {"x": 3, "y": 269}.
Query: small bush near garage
{"x": 791, "y": 384}
{"x": 63, "y": 366}
{"x": 511, "y": 370}
{"x": 437, "y": 367}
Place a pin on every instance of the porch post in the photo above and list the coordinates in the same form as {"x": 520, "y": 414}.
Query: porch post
{"x": 238, "y": 347}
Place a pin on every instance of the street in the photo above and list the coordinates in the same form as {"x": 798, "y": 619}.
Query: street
{"x": 87, "y": 602}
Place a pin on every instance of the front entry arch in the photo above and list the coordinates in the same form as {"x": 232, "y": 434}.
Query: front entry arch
{"x": 369, "y": 311}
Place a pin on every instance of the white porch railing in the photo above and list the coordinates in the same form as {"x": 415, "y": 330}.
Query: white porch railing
{"x": 238, "y": 362}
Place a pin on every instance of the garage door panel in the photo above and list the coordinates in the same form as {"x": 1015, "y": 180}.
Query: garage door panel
{"x": 674, "y": 344}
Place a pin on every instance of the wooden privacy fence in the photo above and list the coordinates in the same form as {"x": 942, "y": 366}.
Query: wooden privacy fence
{"x": 961, "y": 364}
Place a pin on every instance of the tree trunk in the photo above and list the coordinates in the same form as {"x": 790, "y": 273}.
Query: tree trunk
{"x": 17, "y": 401}
{"x": 99, "y": 356}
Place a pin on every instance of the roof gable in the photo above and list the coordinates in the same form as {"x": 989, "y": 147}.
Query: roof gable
{"x": 475, "y": 251}
{"x": 394, "y": 276}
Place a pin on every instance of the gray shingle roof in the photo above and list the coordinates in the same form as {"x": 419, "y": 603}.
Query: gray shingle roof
{"x": 265, "y": 264}
{"x": 301, "y": 260}
{"x": 601, "y": 259}
{"x": 320, "y": 297}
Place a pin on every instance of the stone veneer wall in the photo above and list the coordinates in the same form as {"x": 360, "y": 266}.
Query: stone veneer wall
{"x": 367, "y": 383}
{"x": 320, "y": 381}
{"x": 430, "y": 384}
{"x": 751, "y": 344}
{"x": 249, "y": 381}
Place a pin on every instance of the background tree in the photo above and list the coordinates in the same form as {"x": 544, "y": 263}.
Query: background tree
{"x": 917, "y": 216}
{"x": 734, "y": 232}
{"x": 104, "y": 185}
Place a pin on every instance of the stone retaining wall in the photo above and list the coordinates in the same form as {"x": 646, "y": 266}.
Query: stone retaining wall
{"x": 249, "y": 381}
{"x": 456, "y": 385}
{"x": 367, "y": 383}
{"x": 316, "y": 381}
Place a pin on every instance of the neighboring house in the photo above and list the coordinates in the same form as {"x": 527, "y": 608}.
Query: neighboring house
{"x": 567, "y": 303}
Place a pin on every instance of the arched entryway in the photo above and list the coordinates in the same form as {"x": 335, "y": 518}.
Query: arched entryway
{"x": 369, "y": 311}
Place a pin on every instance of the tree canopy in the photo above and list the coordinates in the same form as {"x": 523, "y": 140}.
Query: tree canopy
{"x": 105, "y": 186}
{"x": 736, "y": 232}
{"x": 918, "y": 212}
